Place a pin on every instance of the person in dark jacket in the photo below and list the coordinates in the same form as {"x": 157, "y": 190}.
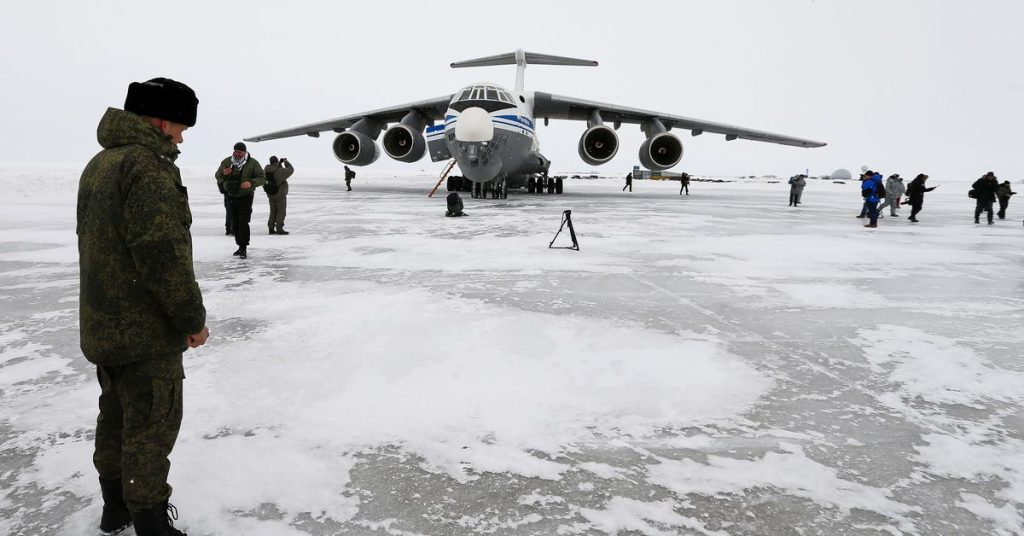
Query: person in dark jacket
{"x": 140, "y": 306}
{"x": 1003, "y": 194}
{"x": 455, "y": 206}
{"x": 349, "y": 175}
{"x": 796, "y": 189}
{"x": 629, "y": 182}
{"x": 915, "y": 195}
{"x": 240, "y": 174}
{"x": 684, "y": 183}
{"x": 985, "y": 191}
{"x": 276, "y": 188}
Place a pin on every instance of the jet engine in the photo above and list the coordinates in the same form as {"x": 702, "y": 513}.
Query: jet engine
{"x": 598, "y": 145}
{"x": 404, "y": 144}
{"x": 661, "y": 151}
{"x": 355, "y": 148}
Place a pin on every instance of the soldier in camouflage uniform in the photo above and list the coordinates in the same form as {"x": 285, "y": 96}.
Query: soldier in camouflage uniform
{"x": 140, "y": 305}
{"x": 239, "y": 175}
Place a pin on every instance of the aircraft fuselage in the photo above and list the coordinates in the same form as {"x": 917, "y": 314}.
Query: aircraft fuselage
{"x": 490, "y": 132}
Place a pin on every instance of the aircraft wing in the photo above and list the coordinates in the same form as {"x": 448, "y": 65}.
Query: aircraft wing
{"x": 431, "y": 109}
{"x": 559, "y": 107}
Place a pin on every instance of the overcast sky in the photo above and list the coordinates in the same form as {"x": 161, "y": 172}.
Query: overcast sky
{"x": 910, "y": 86}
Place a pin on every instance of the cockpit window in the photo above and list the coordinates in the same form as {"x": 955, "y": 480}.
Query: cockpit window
{"x": 491, "y": 98}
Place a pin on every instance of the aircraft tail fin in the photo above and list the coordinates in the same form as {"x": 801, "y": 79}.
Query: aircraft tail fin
{"x": 521, "y": 59}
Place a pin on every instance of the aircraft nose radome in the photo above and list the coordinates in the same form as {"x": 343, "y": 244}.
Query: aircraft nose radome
{"x": 474, "y": 125}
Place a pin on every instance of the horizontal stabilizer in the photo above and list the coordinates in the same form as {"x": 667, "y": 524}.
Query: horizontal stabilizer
{"x": 528, "y": 58}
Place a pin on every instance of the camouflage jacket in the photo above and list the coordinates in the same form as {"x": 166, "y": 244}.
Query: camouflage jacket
{"x": 252, "y": 171}
{"x": 139, "y": 296}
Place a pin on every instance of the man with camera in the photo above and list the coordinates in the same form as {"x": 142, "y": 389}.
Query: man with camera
{"x": 277, "y": 173}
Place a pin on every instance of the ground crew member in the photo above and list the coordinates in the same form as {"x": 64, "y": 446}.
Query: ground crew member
{"x": 277, "y": 173}
{"x": 140, "y": 305}
{"x": 684, "y": 183}
{"x": 455, "y": 206}
{"x": 629, "y": 182}
{"x": 349, "y": 175}
{"x": 239, "y": 175}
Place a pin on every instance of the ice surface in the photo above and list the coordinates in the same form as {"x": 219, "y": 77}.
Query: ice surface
{"x": 717, "y": 363}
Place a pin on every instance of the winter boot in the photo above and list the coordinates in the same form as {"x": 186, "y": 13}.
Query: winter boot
{"x": 157, "y": 521}
{"x": 242, "y": 254}
{"x": 239, "y": 251}
{"x": 280, "y": 230}
{"x": 272, "y": 231}
{"x": 116, "y": 516}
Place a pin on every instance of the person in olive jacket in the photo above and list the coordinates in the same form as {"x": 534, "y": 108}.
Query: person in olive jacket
{"x": 240, "y": 174}
{"x": 1003, "y": 194}
{"x": 985, "y": 190}
{"x": 140, "y": 306}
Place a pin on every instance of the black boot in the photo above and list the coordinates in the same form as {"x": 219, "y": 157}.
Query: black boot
{"x": 272, "y": 231}
{"x": 116, "y": 516}
{"x": 242, "y": 254}
{"x": 239, "y": 251}
{"x": 157, "y": 521}
{"x": 280, "y": 230}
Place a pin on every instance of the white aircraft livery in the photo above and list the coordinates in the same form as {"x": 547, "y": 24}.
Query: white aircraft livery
{"x": 490, "y": 131}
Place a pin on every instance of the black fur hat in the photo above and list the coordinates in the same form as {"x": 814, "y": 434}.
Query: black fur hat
{"x": 239, "y": 146}
{"x": 163, "y": 98}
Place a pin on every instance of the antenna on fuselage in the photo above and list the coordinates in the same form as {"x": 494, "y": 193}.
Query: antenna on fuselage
{"x": 520, "y": 59}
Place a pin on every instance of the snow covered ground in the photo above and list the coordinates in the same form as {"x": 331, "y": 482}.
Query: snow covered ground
{"x": 716, "y": 364}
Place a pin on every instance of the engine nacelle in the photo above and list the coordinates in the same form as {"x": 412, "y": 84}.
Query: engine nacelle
{"x": 355, "y": 148}
{"x": 404, "y": 144}
{"x": 598, "y": 145}
{"x": 661, "y": 151}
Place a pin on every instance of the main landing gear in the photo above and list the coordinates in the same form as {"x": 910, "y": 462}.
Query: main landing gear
{"x": 538, "y": 185}
{"x": 493, "y": 189}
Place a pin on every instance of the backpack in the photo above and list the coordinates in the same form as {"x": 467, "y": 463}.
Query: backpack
{"x": 271, "y": 186}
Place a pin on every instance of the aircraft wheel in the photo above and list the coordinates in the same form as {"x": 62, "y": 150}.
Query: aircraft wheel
{"x": 558, "y": 185}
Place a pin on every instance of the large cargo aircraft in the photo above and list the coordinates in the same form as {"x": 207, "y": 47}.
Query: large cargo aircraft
{"x": 490, "y": 131}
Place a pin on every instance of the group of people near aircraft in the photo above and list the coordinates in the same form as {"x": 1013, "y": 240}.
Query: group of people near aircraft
{"x": 985, "y": 191}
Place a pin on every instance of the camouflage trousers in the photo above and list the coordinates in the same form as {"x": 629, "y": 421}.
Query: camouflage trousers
{"x": 140, "y": 415}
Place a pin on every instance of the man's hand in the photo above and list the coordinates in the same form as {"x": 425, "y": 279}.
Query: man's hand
{"x": 227, "y": 170}
{"x": 198, "y": 339}
{"x": 246, "y": 185}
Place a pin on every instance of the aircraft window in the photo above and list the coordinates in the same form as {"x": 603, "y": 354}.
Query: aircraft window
{"x": 492, "y": 94}
{"x": 477, "y": 94}
{"x": 505, "y": 96}
{"x": 465, "y": 93}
